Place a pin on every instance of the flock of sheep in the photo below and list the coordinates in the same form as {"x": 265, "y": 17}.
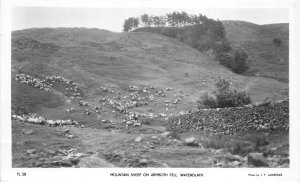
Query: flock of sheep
{"x": 140, "y": 96}
{"x": 35, "y": 82}
{"x": 32, "y": 119}
{"x": 47, "y": 82}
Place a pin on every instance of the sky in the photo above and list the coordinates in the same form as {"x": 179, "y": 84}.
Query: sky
{"x": 112, "y": 18}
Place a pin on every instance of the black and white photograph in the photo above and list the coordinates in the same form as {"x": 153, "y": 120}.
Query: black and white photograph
{"x": 147, "y": 87}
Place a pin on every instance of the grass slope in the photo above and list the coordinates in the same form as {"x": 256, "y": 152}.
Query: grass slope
{"x": 95, "y": 58}
{"x": 257, "y": 40}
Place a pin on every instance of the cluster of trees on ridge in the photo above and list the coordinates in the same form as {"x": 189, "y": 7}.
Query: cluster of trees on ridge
{"x": 198, "y": 31}
{"x": 174, "y": 19}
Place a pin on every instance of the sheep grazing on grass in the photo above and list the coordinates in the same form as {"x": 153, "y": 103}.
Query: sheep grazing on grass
{"x": 34, "y": 82}
{"x": 176, "y": 101}
{"x": 136, "y": 124}
{"x": 32, "y": 119}
{"x": 131, "y": 119}
{"x": 46, "y": 82}
{"x": 87, "y": 112}
{"x": 61, "y": 123}
{"x": 70, "y": 110}
{"x": 83, "y": 103}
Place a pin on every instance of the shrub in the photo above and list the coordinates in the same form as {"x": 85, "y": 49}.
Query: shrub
{"x": 236, "y": 60}
{"x": 232, "y": 99}
{"x": 224, "y": 97}
{"x": 207, "y": 101}
{"x": 239, "y": 65}
{"x": 226, "y": 59}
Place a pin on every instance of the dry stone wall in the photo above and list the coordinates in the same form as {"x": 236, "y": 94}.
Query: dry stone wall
{"x": 269, "y": 116}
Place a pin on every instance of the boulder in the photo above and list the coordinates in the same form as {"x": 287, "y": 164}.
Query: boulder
{"x": 154, "y": 137}
{"x": 191, "y": 141}
{"x": 138, "y": 139}
{"x": 27, "y": 132}
{"x": 257, "y": 160}
{"x": 70, "y": 136}
{"x": 143, "y": 161}
{"x": 31, "y": 151}
{"x": 33, "y": 156}
{"x": 166, "y": 134}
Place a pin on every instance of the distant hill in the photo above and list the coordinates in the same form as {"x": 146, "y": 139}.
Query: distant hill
{"x": 257, "y": 40}
{"x": 94, "y": 58}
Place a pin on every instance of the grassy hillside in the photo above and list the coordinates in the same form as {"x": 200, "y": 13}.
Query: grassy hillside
{"x": 95, "y": 58}
{"x": 257, "y": 40}
{"x": 104, "y": 64}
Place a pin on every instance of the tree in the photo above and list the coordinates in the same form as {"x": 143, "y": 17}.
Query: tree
{"x": 224, "y": 97}
{"x": 186, "y": 19}
{"x": 156, "y": 21}
{"x": 222, "y": 47}
{"x": 145, "y": 20}
{"x": 162, "y": 21}
{"x": 194, "y": 20}
{"x": 198, "y": 31}
{"x": 239, "y": 65}
{"x": 218, "y": 30}
{"x": 130, "y": 23}
{"x": 171, "y": 19}
{"x": 236, "y": 60}
{"x": 226, "y": 59}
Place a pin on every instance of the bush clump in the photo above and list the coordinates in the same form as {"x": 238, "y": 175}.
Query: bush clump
{"x": 223, "y": 97}
{"x": 236, "y": 60}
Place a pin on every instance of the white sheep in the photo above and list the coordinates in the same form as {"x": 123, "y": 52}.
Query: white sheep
{"x": 50, "y": 123}
{"x": 20, "y": 118}
{"x": 14, "y": 116}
